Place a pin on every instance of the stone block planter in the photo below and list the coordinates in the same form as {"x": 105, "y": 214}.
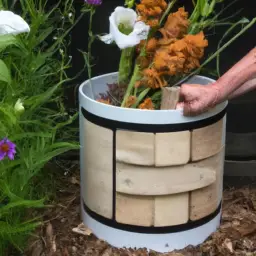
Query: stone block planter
{"x": 150, "y": 178}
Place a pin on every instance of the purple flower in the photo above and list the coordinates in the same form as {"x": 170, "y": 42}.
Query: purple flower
{"x": 7, "y": 149}
{"x": 94, "y": 2}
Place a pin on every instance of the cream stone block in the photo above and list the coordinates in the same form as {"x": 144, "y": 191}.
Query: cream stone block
{"x": 98, "y": 181}
{"x": 171, "y": 210}
{"x": 135, "y": 147}
{"x": 172, "y": 148}
{"x": 207, "y": 141}
{"x": 145, "y": 180}
{"x": 134, "y": 210}
{"x": 204, "y": 201}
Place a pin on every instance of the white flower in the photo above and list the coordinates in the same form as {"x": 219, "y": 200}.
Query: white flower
{"x": 11, "y": 23}
{"x": 128, "y": 18}
{"x": 18, "y": 107}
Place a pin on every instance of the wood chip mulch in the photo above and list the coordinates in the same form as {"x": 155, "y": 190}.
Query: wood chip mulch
{"x": 63, "y": 234}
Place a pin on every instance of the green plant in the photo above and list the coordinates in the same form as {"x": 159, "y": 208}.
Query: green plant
{"x": 32, "y": 75}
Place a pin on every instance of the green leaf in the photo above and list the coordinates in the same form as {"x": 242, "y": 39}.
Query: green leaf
{"x": 31, "y": 135}
{"x": 21, "y": 203}
{"x": 10, "y": 165}
{"x": 7, "y": 40}
{"x": 7, "y": 229}
{"x": 9, "y": 116}
{"x": 4, "y": 73}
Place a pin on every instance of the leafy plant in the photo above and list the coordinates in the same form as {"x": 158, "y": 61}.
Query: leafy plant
{"x": 33, "y": 71}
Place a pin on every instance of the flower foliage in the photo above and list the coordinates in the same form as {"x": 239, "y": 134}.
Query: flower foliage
{"x": 168, "y": 45}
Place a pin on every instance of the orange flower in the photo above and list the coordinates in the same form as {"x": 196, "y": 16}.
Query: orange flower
{"x": 151, "y": 45}
{"x": 152, "y": 78}
{"x": 196, "y": 44}
{"x": 147, "y": 104}
{"x": 171, "y": 64}
{"x": 144, "y": 61}
{"x": 150, "y": 11}
{"x": 192, "y": 47}
{"x": 175, "y": 53}
{"x": 176, "y": 26}
{"x": 130, "y": 101}
{"x": 181, "y": 56}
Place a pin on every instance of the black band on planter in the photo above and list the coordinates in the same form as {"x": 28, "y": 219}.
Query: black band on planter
{"x": 114, "y": 176}
{"x": 151, "y": 230}
{"x": 152, "y": 128}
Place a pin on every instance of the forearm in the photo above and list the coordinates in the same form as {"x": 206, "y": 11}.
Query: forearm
{"x": 248, "y": 86}
{"x": 238, "y": 75}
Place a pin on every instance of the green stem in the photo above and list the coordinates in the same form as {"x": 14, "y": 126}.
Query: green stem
{"x": 131, "y": 84}
{"x": 65, "y": 34}
{"x": 91, "y": 39}
{"x": 170, "y": 5}
{"x": 141, "y": 97}
{"x": 125, "y": 65}
{"x": 195, "y": 14}
{"x": 135, "y": 91}
{"x": 228, "y": 43}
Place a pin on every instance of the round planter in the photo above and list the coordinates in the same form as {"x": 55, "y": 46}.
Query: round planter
{"x": 150, "y": 178}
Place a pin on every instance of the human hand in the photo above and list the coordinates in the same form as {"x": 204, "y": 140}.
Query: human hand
{"x": 196, "y": 99}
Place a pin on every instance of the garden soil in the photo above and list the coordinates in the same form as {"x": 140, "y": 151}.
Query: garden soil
{"x": 63, "y": 234}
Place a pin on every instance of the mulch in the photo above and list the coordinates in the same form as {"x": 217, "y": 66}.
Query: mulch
{"x": 62, "y": 233}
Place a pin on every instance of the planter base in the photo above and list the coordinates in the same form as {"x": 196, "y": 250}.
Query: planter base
{"x": 157, "y": 242}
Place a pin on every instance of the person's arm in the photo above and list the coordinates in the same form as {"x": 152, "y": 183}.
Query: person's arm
{"x": 196, "y": 99}
{"x": 248, "y": 86}
{"x": 237, "y": 80}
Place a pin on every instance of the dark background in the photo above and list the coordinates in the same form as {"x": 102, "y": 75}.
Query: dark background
{"x": 241, "y": 127}
{"x": 107, "y": 57}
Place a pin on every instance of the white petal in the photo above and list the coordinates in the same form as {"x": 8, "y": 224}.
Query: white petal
{"x": 128, "y": 17}
{"x": 11, "y": 23}
{"x": 123, "y": 15}
{"x": 107, "y": 39}
{"x": 141, "y": 30}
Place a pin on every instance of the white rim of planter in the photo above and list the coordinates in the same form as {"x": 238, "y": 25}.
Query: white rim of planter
{"x": 136, "y": 115}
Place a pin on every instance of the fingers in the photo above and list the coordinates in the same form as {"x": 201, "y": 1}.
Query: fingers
{"x": 180, "y": 106}
{"x": 189, "y": 91}
{"x": 187, "y": 109}
{"x": 188, "y": 96}
{"x": 194, "y": 99}
{"x": 193, "y": 108}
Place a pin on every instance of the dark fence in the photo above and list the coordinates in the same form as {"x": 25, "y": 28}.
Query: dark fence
{"x": 241, "y": 128}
